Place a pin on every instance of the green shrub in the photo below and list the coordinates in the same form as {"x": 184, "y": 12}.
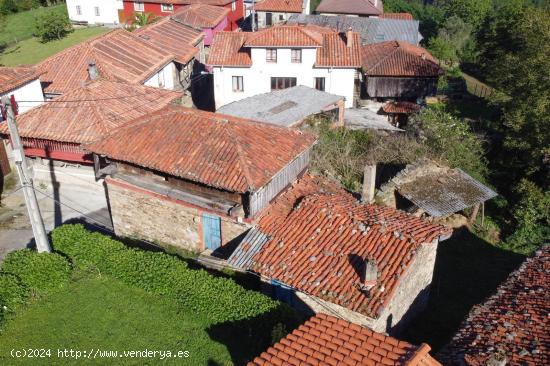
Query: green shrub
{"x": 12, "y": 291}
{"x": 219, "y": 299}
{"x": 39, "y": 271}
{"x": 52, "y": 25}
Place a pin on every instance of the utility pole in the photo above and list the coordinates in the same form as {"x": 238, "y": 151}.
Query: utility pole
{"x": 38, "y": 229}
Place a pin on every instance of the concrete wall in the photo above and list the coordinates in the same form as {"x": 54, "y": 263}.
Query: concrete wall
{"x": 165, "y": 78}
{"x": 27, "y": 96}
{"x": 257, "y": 78}
{"x": 276, "y": 18}
{"x": 145, "y": 215}
{"x": 108, "y": 11}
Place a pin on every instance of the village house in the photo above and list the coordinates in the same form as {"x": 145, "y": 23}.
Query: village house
{"x": 207, "y": 18}
{"x": 397, "y": 70}
{"x": 326, "y": 340}
{"x": 23, "y": 84}
{"x": 209, "y": 174}
{"x": 55, "y": 132}
{"x": 118, "y": 55}
{"x": 270, "y": 12}
{"x": 511, "y": 327}
{"x": 104, "y": 12}
{"x": 319, "y": 249}
{"x": 356, "y": 8}
{"x": 168, "y": 7}
{"x": 283, "y": 56}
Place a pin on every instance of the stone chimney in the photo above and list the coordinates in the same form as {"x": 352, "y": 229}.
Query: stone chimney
{"x": 93, "y": 72}
{"x": 371, "y": 274}
{"x": 423, "y": 55}
{"x": 349, "y": 37}
{"x": 369, "y": 183}
{"x": 497, "y": 359}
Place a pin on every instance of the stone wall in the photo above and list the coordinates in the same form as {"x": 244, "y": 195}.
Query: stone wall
{"x": 146, "y": 215}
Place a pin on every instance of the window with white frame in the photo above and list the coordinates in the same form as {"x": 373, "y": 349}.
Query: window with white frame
{"x": 320, "y": 84}
{"x": 296, "y": 55}
{"x": 278, "y": 83}
{"x": 271, "y": 55}
{"x": 139, "y": 6}
{"x": 238, "y": 85}
{"x": 167, "y": 8}
{"x": 78, "y": 10}
{"x": 96, "y": 11}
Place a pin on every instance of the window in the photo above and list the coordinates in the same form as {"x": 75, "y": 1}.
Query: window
{"x": 271, "y": 55}
{"x": 281, "y": 17}
{"x": 320, "y": 84}
{"x": 282, "y": 83}
{"x": 167, "y": 8}
{"x": 268, "y": 19}
{"x": 138, "y": 6}
{"x": 96, "y": 11}
{"x": 238, "y": 84}
{"x": 79, "y": 10}
{"x": 296, "y": 56}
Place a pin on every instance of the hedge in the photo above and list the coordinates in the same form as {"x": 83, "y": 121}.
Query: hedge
{"x": 219, "y": 299}
{"x": 13, "y": 292}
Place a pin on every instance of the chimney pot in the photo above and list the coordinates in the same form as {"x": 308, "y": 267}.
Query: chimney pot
{"x": 497, "y": 359}
{"x": 371, "y": 273}
{"x": 93, "y": 72}
{"x": 369, "y": 183}
{"x": 349, "y": 37}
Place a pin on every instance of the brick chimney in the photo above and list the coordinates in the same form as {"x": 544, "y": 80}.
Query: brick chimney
{"x": 369, "y": 183}
{"x": 371, "y": 274}
{"x": 349, "y": 37}
{"x": 93, "y": 72}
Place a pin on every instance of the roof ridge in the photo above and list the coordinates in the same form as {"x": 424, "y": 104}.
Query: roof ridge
{"x": 383, "y": 58}
{"x": 421, "y": 352}
{"x": 240, "y": 153}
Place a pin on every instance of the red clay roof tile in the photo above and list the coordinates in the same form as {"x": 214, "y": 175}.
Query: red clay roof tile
{"x": 14, "y": 77}
{"x": 401, "y": 353}
{"x": 283, "y": 6}
{"x": 200, "y": 15}
{"x": 399, "y": 16}
{"x": 360, "y": 7}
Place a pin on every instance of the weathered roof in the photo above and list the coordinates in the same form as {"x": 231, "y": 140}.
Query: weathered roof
{"x": 359, "y": 7}
{"x": 284, "y": 107}
{"x": 404, "y": 16}
{"x": 302, "y": 251}
{"x": 188, "y": 2}
{"x": 514, "y": 321}
{"x": 120, "y": 55}
{"x": 231, "y": 48}
{"x": 371, "y": 30}
{"x": 174, "y": 37}
{"x": 14, "y": 77}
{"x": 324, "y": 340}
{"x": 91, "y": 111}
{"x": 396, "y": 58}
{"x": 357, "y": 118}
{"x": 284, "y": 6}
{"x": 400, "y": 107}
{"x": 440, "y": 190}
{"x": 217, "y": 150}
{"x": 201, "y": 15}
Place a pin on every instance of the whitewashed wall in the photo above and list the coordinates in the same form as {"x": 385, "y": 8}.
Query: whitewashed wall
{"x": 257, "y": 78}
{"x": 168, "y": 74}
{"x": 28, "y": 96}
{"x": 108, "y": 11}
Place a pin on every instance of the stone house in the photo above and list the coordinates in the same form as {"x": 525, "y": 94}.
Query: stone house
{"x": 196, "y": 179}
{"x": 328, "y": 340}
{"x": 321, "y": 250}
{"x": 283, "y": 56}
{"x": 271, "y": 12}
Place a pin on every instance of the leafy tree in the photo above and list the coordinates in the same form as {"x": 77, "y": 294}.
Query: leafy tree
{"x": 431, "y": 17}
{"x": 472, "y": 11}
{"x": 142, "y": 19}
{"x": 52, "y": 25}
{"x": 443, "y": 49}
{"x": 452, "y": 40}
{"x": 8, "y": 6}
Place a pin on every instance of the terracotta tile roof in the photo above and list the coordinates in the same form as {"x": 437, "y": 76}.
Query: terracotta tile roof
{"x": 400, "y": 107}
{"x": 400, "y": 16}
{"x": 397, "y": 58}
{"x": 91, "y": 111}
{"x": 201, "y": 15}
{"x": 120, "y": 55}
{"x": 514, "y": 321}
{"x": 174, "y": 37}
{"x": 231, "y": 48}
{"x": 218, "y": 150}
{"x": 320, "y": 236}
{"x": 327, "y": 341}
{"x": 227, "y": 50}
{"x": 14, "y": 77}
{"x": 283, "y": 6}
{"x": 189, "y": 2}
{"x": 360, "y": 7}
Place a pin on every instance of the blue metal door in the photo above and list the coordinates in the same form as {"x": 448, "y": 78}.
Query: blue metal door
{"x": 212, "y": 231}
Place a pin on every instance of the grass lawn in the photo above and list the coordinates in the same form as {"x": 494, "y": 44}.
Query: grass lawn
{"x": 20, "y": 26}
{"x": 102, "y": 313}
{"x": 31, "y": 51}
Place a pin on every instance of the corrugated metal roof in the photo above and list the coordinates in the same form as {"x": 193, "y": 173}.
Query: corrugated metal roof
{"x": 282, "y": 107}
{"x": 251, "y": 244}
{"x": 364, "y": 118}
{"x": 442, "y": 192}
{"x": 371, "y": 30}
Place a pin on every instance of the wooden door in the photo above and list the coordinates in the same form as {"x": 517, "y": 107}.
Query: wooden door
{"x": 212, "y": 231}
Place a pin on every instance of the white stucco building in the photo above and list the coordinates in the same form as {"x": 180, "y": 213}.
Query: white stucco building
{"x": 23, "y": 83}
{"x": 271, "y": 12}
{"x": 94, "y": 11}
{"x": 247, "y": 64}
